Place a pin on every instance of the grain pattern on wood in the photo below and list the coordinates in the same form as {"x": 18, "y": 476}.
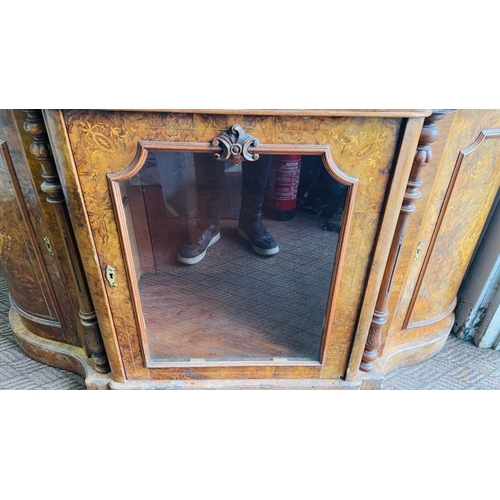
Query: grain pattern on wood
{"x": 22, "y": 250}
{"x": 369, "y": 151}
{"x": 18, "y": 257}
{"x": 360, "y": 113}
{"x": 50, "y": 241}
{"x": 428, "y": 343}
{"x": 105, "y": 142}
{"x": 422, "y": 158}
{"x": 415, "y": 245}
{"x": 127, "y": 241}
{"x": 58, "y": 354}
{"x": 60, "y": 146}
{"x": 400, "y": 174}
{"x": 471, "y": 190}
{"x": 40, "y": 149}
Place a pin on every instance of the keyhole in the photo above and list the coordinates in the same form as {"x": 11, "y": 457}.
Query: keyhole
{"x": 111, "y": 275}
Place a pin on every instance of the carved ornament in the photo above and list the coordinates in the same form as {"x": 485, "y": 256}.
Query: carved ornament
{"x": 235, "y": 144}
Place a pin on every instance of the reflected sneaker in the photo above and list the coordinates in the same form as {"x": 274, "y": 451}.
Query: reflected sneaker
{"x": 196, "y": 248}
{"x": 262, "y": 242}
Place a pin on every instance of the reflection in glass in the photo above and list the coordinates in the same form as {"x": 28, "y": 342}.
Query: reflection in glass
{"x": 234, "y": 262}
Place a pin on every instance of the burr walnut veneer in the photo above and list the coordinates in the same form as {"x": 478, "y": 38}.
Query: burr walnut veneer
{"x": 94, "y": 206}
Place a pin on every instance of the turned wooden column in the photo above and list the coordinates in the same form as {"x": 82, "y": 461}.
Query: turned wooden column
{"x": 423, "y": 156}
{"x": 40, "y": 149}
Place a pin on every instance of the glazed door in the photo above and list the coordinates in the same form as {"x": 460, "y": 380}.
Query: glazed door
{"x": 242, "y": 246}
{"x": 218, "y": 275}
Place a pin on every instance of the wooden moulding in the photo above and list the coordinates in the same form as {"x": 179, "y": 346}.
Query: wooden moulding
{"x": 64, "y": 162}
{"x": 57, "y": 354}
{"x": 400, "y": 175}
{"x": 419, "y": 350}
{"x": 362, "y": 113}
{"x": 144, "y": 148}
{"x": 95, "y": 144}
{"x": 415, "y": 244}
{"x": 40, "y": 148}
{"x": 239, "y": 384}
{"x": 422, "y": 158}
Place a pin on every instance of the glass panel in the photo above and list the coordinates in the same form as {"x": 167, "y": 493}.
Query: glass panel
{"x": 247, "y": 296}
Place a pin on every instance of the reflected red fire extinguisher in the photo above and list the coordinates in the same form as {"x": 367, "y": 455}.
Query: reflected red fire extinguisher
{"x": 282, "y": 186}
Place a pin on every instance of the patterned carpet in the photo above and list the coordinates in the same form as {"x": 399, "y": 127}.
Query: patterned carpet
{"x": 259, "y": 308}
{"x": 459, "y": 366}
{"x": 17, "y": 371}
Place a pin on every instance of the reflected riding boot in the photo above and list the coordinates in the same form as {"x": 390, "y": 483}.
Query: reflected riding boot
{"x": 250, "y": 226}
{"x": 209, "y": 179}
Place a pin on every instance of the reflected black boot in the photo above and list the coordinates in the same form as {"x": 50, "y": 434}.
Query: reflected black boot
{"x": 250, "y": 227}
{"x": 202, "y": 237}
{"x": 255, "y": 232}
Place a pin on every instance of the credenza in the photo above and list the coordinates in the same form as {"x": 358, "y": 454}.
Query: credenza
{"x": 95, "y": 205}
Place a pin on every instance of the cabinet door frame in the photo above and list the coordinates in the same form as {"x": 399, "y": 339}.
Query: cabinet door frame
{"x": 144, "y": 148}
{"x": 120, "y": 331}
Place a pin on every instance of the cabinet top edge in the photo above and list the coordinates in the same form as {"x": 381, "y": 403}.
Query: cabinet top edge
{"x": 365, "y": 113}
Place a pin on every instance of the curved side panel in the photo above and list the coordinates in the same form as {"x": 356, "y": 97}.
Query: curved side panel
{"x": 472, "y": 189}
{"x": 419, "y": 350}
{"x": 57, "y": 354}
{"x": 18, "y": 258}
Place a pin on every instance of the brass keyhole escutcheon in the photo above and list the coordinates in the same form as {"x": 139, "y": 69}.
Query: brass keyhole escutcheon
{"x": 48, "y": 244}
{"x": 111, "y": 275}
{"x": 417, "y": 253}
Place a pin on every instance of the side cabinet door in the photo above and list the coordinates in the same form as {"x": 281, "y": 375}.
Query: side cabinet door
{"x": 20, "y": 257}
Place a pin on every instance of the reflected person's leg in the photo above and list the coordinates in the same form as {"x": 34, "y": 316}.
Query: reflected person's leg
{"x": 209, "y": 179}
{"x": 250, "y": 227}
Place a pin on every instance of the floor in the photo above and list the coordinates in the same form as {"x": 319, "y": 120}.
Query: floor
{"x": 235, "y": 304}
{"x": 17, "y": 371}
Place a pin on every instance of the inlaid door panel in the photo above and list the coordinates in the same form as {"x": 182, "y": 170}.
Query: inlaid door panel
{"x": 235, "y": 313}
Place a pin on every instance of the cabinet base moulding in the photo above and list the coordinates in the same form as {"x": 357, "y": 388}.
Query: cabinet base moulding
{"x": 415, "y": 352}
{"x": 249, "y": 384}
{"x": 57, "y": 354}
{"x": 73, "y": 359}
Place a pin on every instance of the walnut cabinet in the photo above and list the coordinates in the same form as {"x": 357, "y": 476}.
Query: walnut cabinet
{"x": 95, "y": 205}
